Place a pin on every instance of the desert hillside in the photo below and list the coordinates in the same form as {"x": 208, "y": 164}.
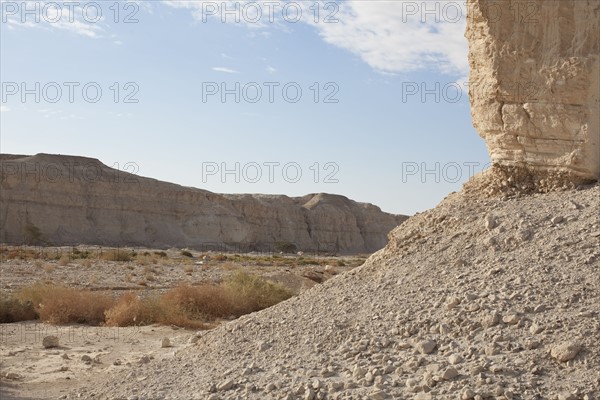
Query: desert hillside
{"x": 496, "y": 298}
{"x": 73, "y": 200}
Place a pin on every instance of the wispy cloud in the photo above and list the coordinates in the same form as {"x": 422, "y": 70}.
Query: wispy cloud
{"x": 389, "y": 39}
{"x": 391, "y": 36}
{"x": 226, "y": 70}
{"x": 51, "y": 15}
{"x": 271, "y": 70}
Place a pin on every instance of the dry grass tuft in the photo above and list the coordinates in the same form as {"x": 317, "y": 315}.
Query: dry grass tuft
{"x": 117, "y": 255}
{"x": 49, "y": 268}
{"x": 61, "y": 305}
{"x": 14, "y": 310}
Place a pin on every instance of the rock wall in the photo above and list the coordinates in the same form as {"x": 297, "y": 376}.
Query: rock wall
{"x": 80, "y": 200}
{"x": 535, "y": 84}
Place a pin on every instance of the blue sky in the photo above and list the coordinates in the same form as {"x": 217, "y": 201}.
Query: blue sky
{"x": 373, "y": 140}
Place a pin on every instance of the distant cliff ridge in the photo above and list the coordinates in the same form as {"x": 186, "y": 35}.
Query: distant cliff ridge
{"x": 70, "y": 200}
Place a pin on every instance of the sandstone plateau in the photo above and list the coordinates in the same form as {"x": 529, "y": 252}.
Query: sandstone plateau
{"x": 535, "y": 85}
{"x": 80, "y": 200}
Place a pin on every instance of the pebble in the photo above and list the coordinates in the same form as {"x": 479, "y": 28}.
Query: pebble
{"x": 50, "y": 342}
{"x": 565, "y": 351}
{"x": 426, "y": 346}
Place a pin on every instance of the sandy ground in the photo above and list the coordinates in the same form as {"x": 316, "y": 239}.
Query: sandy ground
{"x": 30, "y": 371}
{"x": 86, "y": 353}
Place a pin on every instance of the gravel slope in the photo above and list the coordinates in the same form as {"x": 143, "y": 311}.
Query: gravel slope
{"x": 477, "y": 298}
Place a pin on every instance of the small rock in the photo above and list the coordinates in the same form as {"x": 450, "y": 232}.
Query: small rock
{"x": 12, "y": 376}
{"x": 453, "y": 302}
{"x": 557, "y": 220}
{"x": 358, "y": 372}
{"x": 426, "y": 346}
{"x": 490, "y": 222}
{"x": 450, "y": 373}
{"x": 144, "y": 359}
{"x": 270, "y": 387}
{"x": 468, "y": 394}
{"x": 262, "y": 346}
{"x": 226, "y": 385}
{"x": 535, "y": 329}
{"x": 50, "y": 341}
{"x": 491, "y": 320}
{"x": 166, "y": 342}
{"x": 86, "y": 359}
{"x": 378, "y": 395}
{"x": 565, "y": 351}
{"x": 455, "y": 359}
{"x": 511, "y": 319}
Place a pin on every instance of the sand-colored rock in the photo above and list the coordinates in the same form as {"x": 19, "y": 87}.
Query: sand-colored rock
{"x": 80, "y": 200}
{"x": 535, "y": 84}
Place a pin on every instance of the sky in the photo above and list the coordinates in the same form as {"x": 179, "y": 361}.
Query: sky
{"x": 368, "y": 99}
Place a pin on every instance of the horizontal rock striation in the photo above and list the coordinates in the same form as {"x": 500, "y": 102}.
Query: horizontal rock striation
{"x": 80, "y": 200}
{"x": 535, "y": 84}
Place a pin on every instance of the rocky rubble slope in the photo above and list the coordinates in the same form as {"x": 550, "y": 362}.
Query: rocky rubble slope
{"x": 478, "y": 298}
{"x": 76, "y": 200}
{"x": 535, "y": 85}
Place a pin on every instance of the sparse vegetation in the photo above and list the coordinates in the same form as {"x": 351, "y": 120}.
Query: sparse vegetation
{"x": 118, "y": 255}
{"x": 285, "y": 247}
{"x": 15, "y": 310}
{"x": 60, "y": 305}
{"x": 186, "y": 253}
{"x": 32, "y": 234}
{"x": 185, "y": 305}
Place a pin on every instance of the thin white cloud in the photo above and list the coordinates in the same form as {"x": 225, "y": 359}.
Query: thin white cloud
{"x": 390, "y": 36}
{"x": 393, "y": 37}
{"x": 4, "y": 109}
{"x": 226, "y": 70}
{"x": 271, "y": 70}
{"x": 51, "y": 15}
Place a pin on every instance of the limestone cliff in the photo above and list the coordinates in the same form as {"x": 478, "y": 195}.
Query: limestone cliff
{"x": 80, "y": 200}
{"x": 535, "y": 84}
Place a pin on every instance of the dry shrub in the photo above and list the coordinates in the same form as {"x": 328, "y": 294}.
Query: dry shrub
{"x": 188, "y": 269}
{"x": 86, "y": 263}
{"x": 117, "y": 255}
{"x": 61, "y": 305}
{"x": 205, "y": 302}
{"x": 187, "y": 306}
{"x": 38, "y": 264}
{"x": 63, "y": 261}
{"x": 229, "y": 266}
{"x": 15, "y": 310}
{"x": 220, "y": 257}
{"x": 251, "y": 293}
{"x": 131, "y": 310}
{"x": 49, "y": 268}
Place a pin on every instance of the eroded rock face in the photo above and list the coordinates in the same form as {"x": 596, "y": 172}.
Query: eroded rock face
{"x": 80, "y": 200}
{"x": 535, "y": 84}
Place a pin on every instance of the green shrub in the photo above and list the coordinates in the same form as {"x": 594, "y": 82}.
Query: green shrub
{"x": 15, "y": 310}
